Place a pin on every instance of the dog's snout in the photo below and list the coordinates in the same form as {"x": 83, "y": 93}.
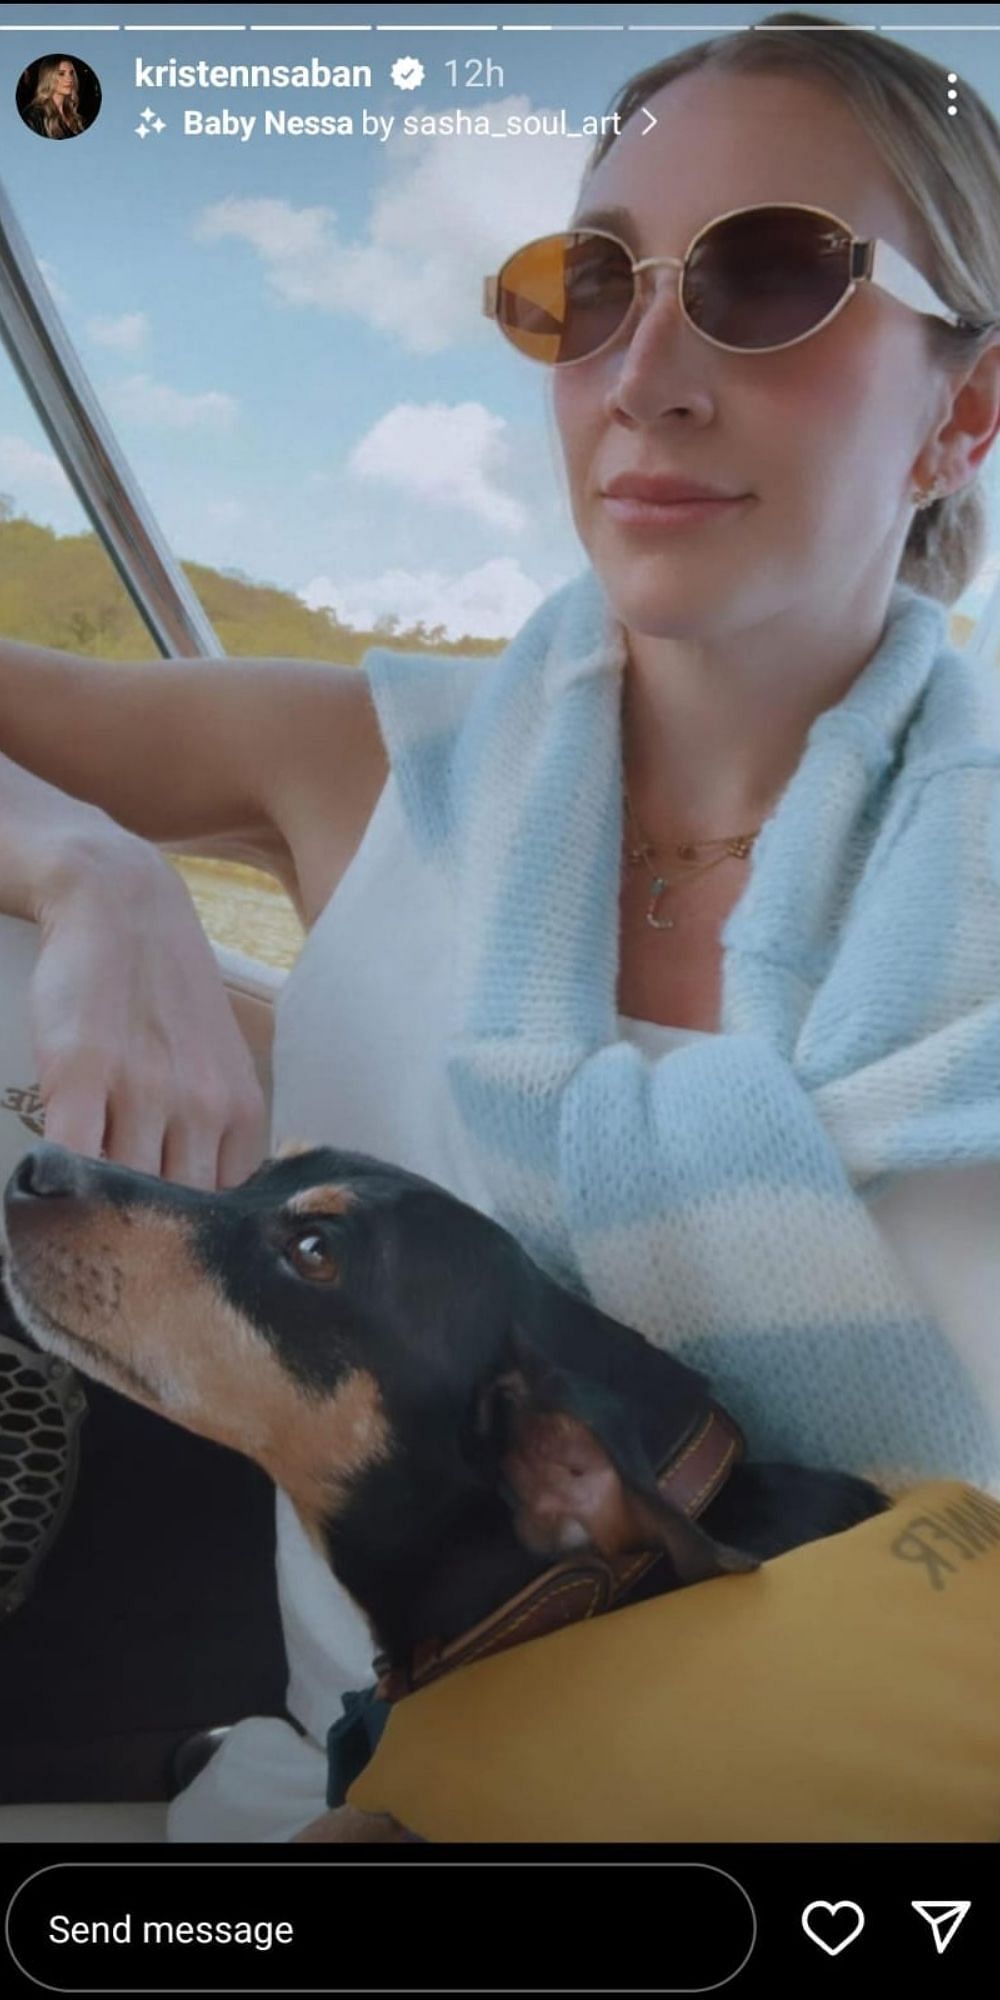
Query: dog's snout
{"x": 45, "y": 1171}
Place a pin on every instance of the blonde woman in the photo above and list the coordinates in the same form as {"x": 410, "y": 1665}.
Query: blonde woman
{"x": 672, "y": 938}
{"x": 54, "y": 110}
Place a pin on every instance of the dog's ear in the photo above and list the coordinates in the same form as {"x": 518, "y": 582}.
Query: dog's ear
{"x": 570, "y": 1462}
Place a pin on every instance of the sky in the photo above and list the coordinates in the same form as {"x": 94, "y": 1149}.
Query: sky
{"x": 285, "y": 330}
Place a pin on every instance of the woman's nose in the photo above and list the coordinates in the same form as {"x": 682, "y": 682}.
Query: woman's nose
{"x": 647, "y": 358}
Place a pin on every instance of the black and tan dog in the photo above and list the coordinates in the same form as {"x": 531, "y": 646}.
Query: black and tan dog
{"x": 447, "y": 1421}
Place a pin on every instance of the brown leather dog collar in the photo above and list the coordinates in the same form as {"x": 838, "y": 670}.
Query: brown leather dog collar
{"x": 582, "y": 1586}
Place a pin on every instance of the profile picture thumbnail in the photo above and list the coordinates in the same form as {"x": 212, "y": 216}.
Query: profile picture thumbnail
{"x": 58, "y": 96}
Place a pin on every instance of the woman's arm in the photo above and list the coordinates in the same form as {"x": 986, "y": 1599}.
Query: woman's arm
{"x": 275, "y": 762}
{"x": 138, "y": 1051}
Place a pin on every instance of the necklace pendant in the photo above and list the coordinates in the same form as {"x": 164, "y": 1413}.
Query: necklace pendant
{"x": 656, "y": 923}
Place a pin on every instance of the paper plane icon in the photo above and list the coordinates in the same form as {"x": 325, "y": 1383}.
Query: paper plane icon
{"x": 944, "y": 1920}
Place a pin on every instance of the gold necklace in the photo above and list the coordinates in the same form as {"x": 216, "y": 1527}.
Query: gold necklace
{"x": 738, "y": 845}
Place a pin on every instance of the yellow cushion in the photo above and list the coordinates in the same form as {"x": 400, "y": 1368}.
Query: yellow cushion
{"x": 849, "y": 1690}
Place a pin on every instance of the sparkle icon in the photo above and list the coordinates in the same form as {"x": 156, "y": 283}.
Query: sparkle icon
{"x": 944, "y": 1920}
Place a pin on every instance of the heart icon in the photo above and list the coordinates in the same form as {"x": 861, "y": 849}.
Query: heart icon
{"x": 832, "y": 1911}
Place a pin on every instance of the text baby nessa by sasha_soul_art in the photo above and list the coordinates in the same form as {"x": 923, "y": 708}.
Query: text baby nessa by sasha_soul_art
{"x": 227, "y": 124}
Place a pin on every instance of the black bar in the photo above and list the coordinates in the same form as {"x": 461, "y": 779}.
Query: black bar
{"x": 495, "y": 1919}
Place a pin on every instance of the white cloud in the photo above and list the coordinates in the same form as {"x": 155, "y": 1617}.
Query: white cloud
{"x": 490, "y": 602}
{"x": 125, "y": 333}
{"x": 34, "y": 479}
{"x": 22, "y": 463}
{"x": 447, "y": 454}
{"x": 445, "y": 215}
{"x": 140, "y": 400}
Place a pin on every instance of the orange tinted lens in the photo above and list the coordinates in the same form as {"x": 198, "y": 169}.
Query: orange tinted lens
{"x": 765, "y": 278}
{"x": 563, "y": 296}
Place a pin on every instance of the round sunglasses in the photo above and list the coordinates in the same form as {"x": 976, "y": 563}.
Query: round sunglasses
{"x": 752, "y": 281}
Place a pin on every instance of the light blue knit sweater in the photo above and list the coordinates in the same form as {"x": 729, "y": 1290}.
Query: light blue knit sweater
{"x": 710, "y": 1197}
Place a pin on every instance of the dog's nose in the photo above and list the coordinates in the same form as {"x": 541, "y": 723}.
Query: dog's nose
{"x": 47, "y": 1170}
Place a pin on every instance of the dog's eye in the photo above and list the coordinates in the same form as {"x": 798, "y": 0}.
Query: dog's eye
{"x": 310, "y": 1257}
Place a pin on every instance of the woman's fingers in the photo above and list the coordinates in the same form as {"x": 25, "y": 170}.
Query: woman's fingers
{"x": 243, "y": 1147}
{"x": 190, "y": 1155}
{"x": 134, "y": 1136}
{"x": 189, "y": 1150}
{"x": 75, "y": 1117}
{"x": 139, "y": 1052}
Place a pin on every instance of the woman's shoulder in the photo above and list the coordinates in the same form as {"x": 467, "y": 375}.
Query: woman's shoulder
{"x": 440, "y": 714}
{"x": 948, "y": 798}
{"x": 422, "y": 694}
{"x": 958, "y": 724}
{"x": 424, "y": 703}
{"x": 426, "y": 695}
{"x": 944, "y": 792}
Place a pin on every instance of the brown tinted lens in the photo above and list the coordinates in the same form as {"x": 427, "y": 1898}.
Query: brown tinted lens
{"x": 766, "y": 277}
{"x": 563, "y": 296}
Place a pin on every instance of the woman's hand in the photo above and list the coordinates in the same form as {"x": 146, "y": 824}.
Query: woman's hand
{"x": 138, "y": 1051}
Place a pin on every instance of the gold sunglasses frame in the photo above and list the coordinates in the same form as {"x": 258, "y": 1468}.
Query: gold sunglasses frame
{"x": 871, "y": 260}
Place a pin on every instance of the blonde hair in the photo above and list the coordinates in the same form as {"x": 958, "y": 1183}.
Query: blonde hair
{"x": 56, "y": 121}
{"x": 952, "y": 177}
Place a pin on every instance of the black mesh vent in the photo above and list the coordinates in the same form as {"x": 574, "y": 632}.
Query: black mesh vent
{"x": 42, "y": 1405}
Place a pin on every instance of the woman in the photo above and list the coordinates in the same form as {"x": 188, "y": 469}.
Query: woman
{"x": 703, "y": 699}
{"x": 54, "y": 110}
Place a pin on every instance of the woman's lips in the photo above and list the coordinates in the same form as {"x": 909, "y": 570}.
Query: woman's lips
{"x": 631, "y": 512}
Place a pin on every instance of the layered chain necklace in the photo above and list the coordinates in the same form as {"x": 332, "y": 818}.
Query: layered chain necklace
{"x": 738, "y": 845}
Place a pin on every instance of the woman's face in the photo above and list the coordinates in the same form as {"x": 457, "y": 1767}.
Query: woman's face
{"x": 823, "y": 436}
{"x": 64, "y": 83}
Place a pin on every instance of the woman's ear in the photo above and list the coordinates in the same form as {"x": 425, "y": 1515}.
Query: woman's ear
{"x": 569, "y": 1461}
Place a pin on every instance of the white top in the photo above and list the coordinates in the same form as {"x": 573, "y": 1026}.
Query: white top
{"x": 358, "y": 1063}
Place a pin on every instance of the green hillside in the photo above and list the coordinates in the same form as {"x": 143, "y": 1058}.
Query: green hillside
{"x": 61, "y": 591}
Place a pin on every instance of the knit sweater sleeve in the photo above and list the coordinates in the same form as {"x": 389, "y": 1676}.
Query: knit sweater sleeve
{"x": 706, "y": 1203}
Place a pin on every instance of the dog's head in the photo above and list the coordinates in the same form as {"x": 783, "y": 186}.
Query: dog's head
{"x": 386, "y": 1352}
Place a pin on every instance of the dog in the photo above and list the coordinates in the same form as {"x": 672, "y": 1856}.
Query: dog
{"x": 448, "y": 1421}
